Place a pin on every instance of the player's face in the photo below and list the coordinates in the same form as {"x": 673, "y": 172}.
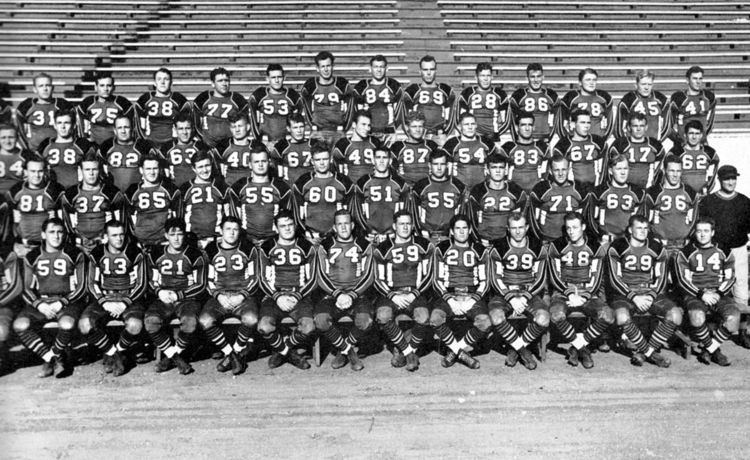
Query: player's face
{"x": 343, "y": 226}
{"x": 588, "y": 83}
{"x": 415, "y": 130}
{"x": 90, "y": 172}
{"x": 728, "y": 185}
{"x": 43, "y": 88}
{"x": 619, "y": 172}
{"x": 560, "y": 172}
{"x": 381, "y": 161}
{"x": 525, "y": 128}
{"x": 583, "y": 125}
{"x": 104, "y": 87}
{"x": 461, "y": 231}
{"x": 574, "y": 229}
{"x": 54, "y": 236}
{"x": 239, "y": 129}
{"x": 175, "y": 238}
{"x": 123, "y": 130}
{"x": 321, "y": 162}
{"x": 362, "y": 127}
{"x": 275, "y": 79}
{"x": 162, "y": 83}
{"x": 259, "y": 164}
{"x": 439, "y": 167}
{"x": 468, "y": 127}
{"x": 150, "y": 171}
{"x": 704, "y": 233}
{"x": 428, "y": 70}
{"x": 695, "y": 81}
{"x": 694, "y": 137}
{"x": 325, "y": 69}
{"x": 184, "y": 131}
{"x": 638, "y": 129}
{"x": 221, "y": 84}
{"x": 64, "y": 126}
{"x": 230, "y": 232}
{"x": 517, "y": 229}
{"x": 203, "y": 169}
{"x": 8, "y": 139}
{"x": 644, "y": 86}
{"x": 673, "y": 173}
{"x": 403, "y": 227}
{"x": 639, "y": 231}
{"x": 286, "y": 228}
{"x": 35, "y": 173}
{"x": 536, "y": 79}
{"x": 116, "y": 237}
{"x": 297, "y": 130}
{"x": 496, "y": 172}
{"x": 484, "y": 79}
{"x": 378, "y": 70}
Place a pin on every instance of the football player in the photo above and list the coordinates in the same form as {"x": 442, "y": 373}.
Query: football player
{"x": 536, "y": 100}
{"x": 413, "y": 154}
{"x": 35, "y": 115}
{"x": 596, "y": 101}
{"x": 214, "y": 108}
{"x": 234, "y": 153}
{"x": 293, "y": 157}
{"x": 437, "y": 198}
{"x": 645, "y": 154}
{"x": 613, "y": 202}
{"x": 353, "y": 156}
{"x": 469, "y": 151}
{"x": 403, "y": 271}
{"x": 124, "y": 153}
{"x": 272, "y": 105}
{"x": 328, "y": 101}
{"x": 6, "y": 112}
{"x": 205, "y": 200}
{"x": 11, "y": 287}
{"x": 63, "y": 152}
{"x": 489, "y": 104}
{"x": 381, "y": 96}
{"x": 586, "y": 152}
{"x": 526, "y": 155}
{"x": 645, "y": 100}
{"x": 54, "y": 289}
{"x": 96, "y": 114}
{"x": 699, "y": 161}
{"x": 157, "y": 110}
{"x": 694, "y": 103}
{"x": 11, "y": 158}
{"x": 179, "y": 151}
{"x": 434, "y": 100}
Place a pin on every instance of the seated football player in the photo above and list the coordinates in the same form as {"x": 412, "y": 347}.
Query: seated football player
{"x": 158, "y": 110}
{"x": 705, "y": 275}
{"x": 468, "y": 152}
{"x": 345, "y": 276}
{"x": 699, "y": 161}
{"x": 613, "y": 202}
{"x": 460, "y": 281}
{"x": 287, "y": 269}
{"x": 35, "y": 115}
{"x": 54, "y": 288}
{"x": 180, "y": 150}
{"x": 63, "y": 152}
{"x": 293, "y": 156}
{"x": 11, "y": 158}
{"x": 576, "y": 264}
{"x": 214, "y": 108}
{"x": 526, "y": 155}
{"x": 437, "y": 198}
{"x": 638, "y": 277}
{"x": 518, "y": 275}
{"x": 412, "y": 156}
{"x": 403, "y": 273}
{"x": 233, "y": 153}
{"x": 178, "y": 279}
{"x": 11, "y": 287}
{"x": 96, "y": 114}
{"x": 117, "y": 282}
{"x": 645, "y": 154}
{"x": 205, "y": 200}
{"x": 586, "y": 152}
{"x": 124, "y": 153}
{"x": 354, "y": 156}
{"x": 232, "y": 286}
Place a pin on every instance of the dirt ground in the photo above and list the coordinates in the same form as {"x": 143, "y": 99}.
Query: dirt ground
{"x": 612, "y": 411}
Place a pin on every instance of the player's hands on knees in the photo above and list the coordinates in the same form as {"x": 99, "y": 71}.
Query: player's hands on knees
{"x": 642, "y": 302}
{"x": 575, "y": 301}
{"x": 518, "y": 304}
{"x": 286, "y": 302}
{"x": 710, "y": 298}
{"x": 344, "y": 301}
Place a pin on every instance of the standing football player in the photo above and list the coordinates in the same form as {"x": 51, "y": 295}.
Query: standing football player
{"x": 158, "y": 110}
{"x": 63, "y": 152}
{"x": 11, "y": 158}
{"x": 353, "y": 156}
{"x": 537, "y": 100}
{"x": 699, "y": 160}
{"x": 205, "y": 200}
{"x": 645, "y": 100}
{"x": 96, "y": 114}
{"x": 381, "y": 96}
{"x": 180, "y": 150}
{"x": 596, "y": 101}
{"x": 293, "y": 156}
{"x": 615, "y": 201}
{"x": 124, "y": 153}
{"x": 272, "y": 105}
{"x": 489, "y": 104}
{"x": 693, "y": 103}
{"x": 328, "y": 101}
{"x": 35, "y": 116}
{"x": 434, "y": 100}
{"x": 213, "y": 108}
{"x": 586, "y": 152}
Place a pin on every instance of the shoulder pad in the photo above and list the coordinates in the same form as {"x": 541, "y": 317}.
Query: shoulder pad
{"x": 201, "y": 98}
{"x": 393, "y": 84}
{"x": 628, "y": 97}
{"x": 655, "y": 245}
{"x": 620, "y": 244}
{"x": 445, "y": 87}
{"x": 421, "y": 241}
{"x": 385, "y": 246}
{"x": 412, "y": 89}
{"x": 444, "y": 245}
{"x": 360, "y": 86}
{"x": 560, "y": 243}
{"x": 421, "y": 184}
{"x": 309, "y": 85}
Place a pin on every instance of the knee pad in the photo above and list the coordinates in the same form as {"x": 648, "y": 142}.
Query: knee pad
{"x": 482, "y": 322}
{"x": 437, "y": 318}
{"x": 21, "y": 324}
{"x": 306, "y": 325}
{"x": 362, "y": 321}
{"x": 133, "y": 326}
{"x": 497, "y": 316}
{"x": 249, "y": 319}
{"x": 85, "y": 325}
{"x": 732, "y": 323}
{"x": 153, "y": 324}
{"x": 622, "y": 316}
{"x": 4, "y": 331}
{"x": 323, "y": 321}
{"x": 541, "y": 318}
{"x": 557, "y": 315}
{"x": 607, "y": 315}
{"x": 266, "y": 326}
{"x": 674, "y": 315}
{"x": 384, "y": 314}
{"x": 421, "y": 315}
{"x": 188, "y": 324}
{"x": 66, "y": 323}
{"x": 697, "y": 318}
{"x": 206, "y": 321}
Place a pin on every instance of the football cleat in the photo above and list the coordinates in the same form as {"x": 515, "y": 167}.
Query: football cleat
{"x": 107, "y": 364}
{"x": 658, "y": 360}
{"x": 296, "y": 360}
{"x": 573, "y": 356}
{"x": 339, "y": 361}
{"x": 225, "y": 364}
{"x": 527, "y": 359}
{"x": 743, "y": 339}
{"x": 467, "y": 360}
{"x": 276, "y": 360}
{"x": 354, "y": 362}
{"x": 217, "y": 355}
{"x": 637, "y": 359}
{"x": 449, "y": 359}
{"x": 584, "y": 354}
{"x": 412, "y": 362}
{"x": 511, "y": 359}
{"x": 398, "y": 359}
{"x": 118, "y": 364}
{"x": 164, "y": 364}
{"x": 238, "y": 363}
{"x": 182, "y": 366}
{"x": 64, "y": 365}
{"x": 48, "y": 368}
{"x": 604, "y": 347}
{"x": 720, "y": 358}
{"x": 704, "y": 357}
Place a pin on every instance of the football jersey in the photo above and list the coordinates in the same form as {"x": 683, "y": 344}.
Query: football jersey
{"x": 150, "y": 207}
{"x": 234, "y": 160}
{"x": 542, "y": 104}
{"x": 36, "y": 119}
{"x": 685, "y": 107}
{"x": 489, "y": 209}
{"x": 644, "y": 158}
{"x": 434, "y": 102}
{"x": 86, "y": 211}
{"x": 413, "y": 159}
{"x": 232, "y": 268}
{"x": 270, "y": 111}
{"x": 204, "y": 205}
{"x": 287, "y": 269}
{"x": 258, "y": 203}
{"x": 122, "y": 161}
{"x": 655, "y": 107}
{"x": 63, "y": 158}
{"x": 612, "y": 206}
{"x": 212, "y": 113}
{"x": 403, "y": 266}
{"x": 179, "y": 159}
{"x": 699, "y": 166}
{"x": 378, "y": 198}
{"x": 469, "y": 158}
{"x": 157, "y": 114}
{"x": 526, "y": 163}
{"x": 461, "y": 269}
{"x": 117, "y": 275}
{"x": 11, "y": 279}
{"x": 576, "y": 269}
{"x": 6, "y": 112}
{"x": 32, "y": 206}
{"x": 489, "y": 107}
{"x": 436, "y": 202}
{"x": 382, "y": 100}
{"x": 637, "y": 270}
{"x": 518, "y": 271}
{"x": 327, "y": 106}
{"x": 11, "y": 170}
{"x": 97, "y": 117}
{"x": 183, "y": 271}
{"x": 672, "y": 213}
{"x": 550, "y": 202}
{"x": 599, "y": 105}
{"x": 319, "y": 198}
{"x": 293, "y": 159}
{"x": 700, "y": 268}
{"x": 345, "y": 266}
{"x": 354, "y": 157}
{"x": 586, "y": 158}
{"x": 57, "y": 274}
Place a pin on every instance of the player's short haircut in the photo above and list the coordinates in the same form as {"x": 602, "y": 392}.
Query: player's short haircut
{"x": 578, "y": 112}
{"x": 692, "y": 70}
{"x": 517, "y": 216}
{"x": 522, "y": 115}
{"x": 114, "y": 223}
{"x": 414, "y": 116}
{"x": 42, "y": 75}
{"x": 427, "y": 58}
{"x": 378, "y": 58}
{"x": 637, "y": 116}
{"x": 483, "y": 66}
{"x": 319, "y": 147}
{"x": 219, "y": 71}
{"x": 258, "y": 147}
{"x": 150, "y": 157}
{"x": 637, "y": 218}
{"x": 52, "y": 221}
{"x": 65, "y": 113}
{"x": 182, "y": 117}
{"x": 201, "y": 155}
{"x": 174, "y": 223}
{"x": 235, "y": 117}
{"x": 706, "y": 220}
{"x": 361, "y": 113}
{"x": 401, "y": 213}
{"x": 557, "y": 158}
{"x": 692, "y": 124}
{"x": 382, "y": 149}
{"x": 586, "y": 71}
{"x": 459, "y": 218}
{"x": 91, "y": 156}
{"x": 102, "y": 75}
{"x": 283, "y": 214}
{"x": 464, "y": 116}
{"x": 644, "y": 73}
{"x": 273, "y": 68}
{"x": 6, "y": 127}
{"x": 672, "y": 159}
{"x": 33, "y": 157}
{"x": 496, "y": 159}
{"x": 574, "y": 215}
{"x": 122, "y": 116}
{"x": 342, "y": 212}
{"x": 295, "y": 118}
{"x": 617, "y": 158}
{"x": 534, "y": 67}
{"x": 438, "y": 154}
{"x": 322, "y": 56}
{"x": 230, "y": 220}
{"x": 163, "y": 70}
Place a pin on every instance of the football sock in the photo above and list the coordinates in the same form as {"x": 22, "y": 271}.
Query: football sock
{"x": 244, "y": 335}
{"x": 634, "y": 335}
{"x": 662, "y": 334}
{"x": 702, "y": 335}
{"x": 31, "y": 340}
{"x": 566, "y": 330}
{"x": 532, "y": 332}
{"x": 98, "y": 339}
{"x": 126, "y": 341}
{"x": 336, "y": 339}
{"x": 161, "y": 340}
{"x": 62, "y": 340}
{"x": 446, "y": 336}
{"x": 419, "y": 334}
{"x": 216, "y": 335}
{"x": 183, "y": 340}
{"x": 394, "y": 334}
{"x": 509, "y": 334}
{"x": 595, "y": 330}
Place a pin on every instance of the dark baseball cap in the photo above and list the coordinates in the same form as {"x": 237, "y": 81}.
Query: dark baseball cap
{"x": 727, "y": 172}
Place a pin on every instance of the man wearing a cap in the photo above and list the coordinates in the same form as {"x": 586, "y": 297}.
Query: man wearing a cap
{"x": 731, "y": 212}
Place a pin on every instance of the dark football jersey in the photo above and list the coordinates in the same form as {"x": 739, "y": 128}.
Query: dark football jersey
{"x": 319, "y": 198}
{"x": 117, "y": 275}
{"x": 489, "y": 209}
{"x": 354, "y": 157}
{"x": 436, "y": 202}
{"x": 150, "y": 207}
{"x": 655, "y": 107}
{"x": 526, "y": 163}
{"x": 518, "y": 271}
{"x": 612, "y": 206}
{"x": 699, "y": 166}
{"x": 11, "y": 170}
{"x": 403, "y": 266}
{"x": 469, "y": 157}
{"x": 179, "y": 159}
{"x": 157, "y": 114}
{"x": 204, "y": 205}
{"x": 461, "y": 269}
{"x": 327, "y": 106}
{"x": 232, "y": 269}
{"x": 234, "y": 160}
{"x": 644, "y": 157}
{"x": 586, "y": 158}
{"x": 672, "y": 213}
{"x": 345, "y": 266}
{"x": 636, "y": 270}
{"x": 489, "y": 107}
{"x": 31, "y": 207}
{"x": 685, "y": 107}
{"x": 700, "y": 268}
{"x": 542, "y": 104}
{"x": 11, "y": 280}
{"x": 598, "y": 104}
{"x": 63, "y": 158}
{"x": 413, "y": 159}
{"x": 293, "y": 159}
{"x": 258, "y": 203}
{"x": 183, "y": 271}
{"x": 212, "y": 113}
{"x": 378, "y": 198}
{"x": 550, "y": 202}
{"x": 434, "y": 102}
{"x": 122, "y": 161}
{"x": 287, "y": 269}
{"x": 36, "y": 119}
{"x": 382, "y": 100}
{"x": 57, "y": 274}
{"x": 97, "y": 117}
{"x": 270, "y": 111}
{"x": 86, "y": 211}
{"x": 576, "y": 269}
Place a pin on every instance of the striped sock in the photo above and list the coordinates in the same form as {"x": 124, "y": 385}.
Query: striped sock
{"x": 216, "y": 335}
{"x": 662, "y": 334}
{"x": 275, "y": 342}
{"x": 566, "y": 329}
{"x": 99, "y": 339}
{"x": 161, "y": 340}
{"x": 474, "y": 336}
{"x": 532, "y": 332}
{"x": 595, "y": 330}
{"x": 508, "y": 333}
{"x": 126, "y": 341}
{"x": 419, "y": 334}
{"x": 183, "y": 340}
{"x": 394, "y": 334}
{"x": 244, "y": 334}
{"x": 702, "y": 335}
{"x": 62, "y": 340}
{"x": 31, "y": 340}
{"x": 634, "y": 335}
{"x": 336, "y": 339}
